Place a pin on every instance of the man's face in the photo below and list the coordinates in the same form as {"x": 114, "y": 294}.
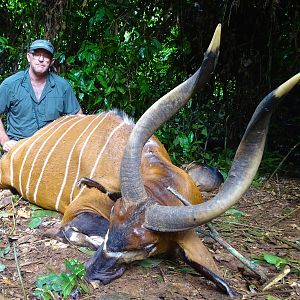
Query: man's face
{"x": 40, "y": 61}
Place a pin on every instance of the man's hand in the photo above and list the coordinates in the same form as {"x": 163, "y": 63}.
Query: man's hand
{"x": 8, "y": 144}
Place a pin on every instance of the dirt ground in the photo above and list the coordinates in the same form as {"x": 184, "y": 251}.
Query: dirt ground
{"x": 269, "y": 223}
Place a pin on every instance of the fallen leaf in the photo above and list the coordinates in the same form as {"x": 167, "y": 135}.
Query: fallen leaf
{"x": 23, "y": 213}
{"x": 56, "y": 244}
{"x": 4, "y": 202}
{"x": 6, "y": 281}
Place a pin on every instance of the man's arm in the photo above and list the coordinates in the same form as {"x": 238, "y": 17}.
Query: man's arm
{"x": 4, "y": 139}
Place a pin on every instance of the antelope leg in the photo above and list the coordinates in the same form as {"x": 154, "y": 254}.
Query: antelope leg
{"x": 216, "y": 279}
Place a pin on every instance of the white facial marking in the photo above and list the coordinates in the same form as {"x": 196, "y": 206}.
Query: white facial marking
{"x": 95, "y": 240}
{"x": 79, "y": 238}
{"x": 74, "y": 236}
{"x": 109, "y": 253}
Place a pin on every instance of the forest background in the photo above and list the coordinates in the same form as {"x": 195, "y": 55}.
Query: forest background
{"x": 127, "y": 54}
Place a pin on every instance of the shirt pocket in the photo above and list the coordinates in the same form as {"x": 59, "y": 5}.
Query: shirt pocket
{"x": 20, "y": 107}
{"x": 54, "y": 108}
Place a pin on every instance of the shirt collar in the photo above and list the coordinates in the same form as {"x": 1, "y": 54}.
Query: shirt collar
{"x": 50, "y": 78}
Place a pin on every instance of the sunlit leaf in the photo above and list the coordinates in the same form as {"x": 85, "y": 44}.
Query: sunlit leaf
{"x": 4, "y": 214}
{"x": 234, "y": 212}
{"x": 270, "y": 297}
{"x": 42, "y": 213}
{"x": 35, "y": 222}
{"x": 2, "y": 267}
{"x": 277, "y": 261}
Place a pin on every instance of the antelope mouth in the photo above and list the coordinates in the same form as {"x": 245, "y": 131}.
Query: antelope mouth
{"x": 107, "y": 276}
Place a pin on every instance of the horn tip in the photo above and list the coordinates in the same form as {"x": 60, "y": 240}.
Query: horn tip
{"x": 215, "y": 41}
{"x": 284, "y": 88}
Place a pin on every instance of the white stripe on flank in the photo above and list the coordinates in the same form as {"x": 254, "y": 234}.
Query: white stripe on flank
{"x": 31, "y": 146}
{"x": 37, "y": 155}
{"x": 69, "y": 160}
{"x": 81, "y": 153}
{"x": 49, "y": 155}
{"x": 103, "y": 149}
{"x": 11, "y": 167}
{"x": 100, "y": 154}
{"x": 12, "y": 159}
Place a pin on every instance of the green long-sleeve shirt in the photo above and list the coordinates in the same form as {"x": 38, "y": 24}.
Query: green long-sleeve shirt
{"x": 25, "y": 114}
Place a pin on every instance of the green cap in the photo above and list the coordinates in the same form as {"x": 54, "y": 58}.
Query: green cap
{"x": 42, "y": 44}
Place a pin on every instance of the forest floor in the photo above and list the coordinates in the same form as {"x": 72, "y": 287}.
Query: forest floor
{"x": 265, "y": 222}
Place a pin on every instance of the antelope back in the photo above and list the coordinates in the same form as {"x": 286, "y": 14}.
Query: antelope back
{"x": 46, "y": 167}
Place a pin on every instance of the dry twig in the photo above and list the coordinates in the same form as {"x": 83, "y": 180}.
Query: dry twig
{"x": 286, "y": 216}
{"x": 286, "y": 270}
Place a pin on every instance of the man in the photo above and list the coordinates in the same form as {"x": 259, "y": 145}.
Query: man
{"x": 35, "y": 97}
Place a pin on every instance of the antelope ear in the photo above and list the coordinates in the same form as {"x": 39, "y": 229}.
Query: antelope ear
{"x": 91, "y": 183}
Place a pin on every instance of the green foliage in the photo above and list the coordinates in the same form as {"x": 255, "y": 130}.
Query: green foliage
{"x": 270, "y": 161}
{"x": 234, "y": 214}
{"x": 3, "y": 252}
{"x": 37, "y": 216}
{"x": 2, "y": 267}
{"x": 280, "y": 262}
{"x": 150, "y": 262}
{"x": 258, "y": 181}
{"x": 4, "y": 214}
{"x": 62, "y": 285}
{"x": 121, "y": 67}
{"x": 270, "y": 297}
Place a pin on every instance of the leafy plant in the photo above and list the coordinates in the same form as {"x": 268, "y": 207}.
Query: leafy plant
{"x": 279, "y": 262}
{"x": 62, "y": 285}
{"x": 37, "y": 216}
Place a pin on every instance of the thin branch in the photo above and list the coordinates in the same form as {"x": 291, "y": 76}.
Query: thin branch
{"x": 18, "y": 269}
{"x": 179, "y": 196}
{"x": 286, "y": 216}
{"x": 215, "y": 235}
{"x": 247, "y": 226}
{"x": 285, "y": 241}
{"x": 13, "y": 240}
{"x": 281, "y": 163}
{"x": 276, "y": 278}
{"x": 257, "y": 204}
